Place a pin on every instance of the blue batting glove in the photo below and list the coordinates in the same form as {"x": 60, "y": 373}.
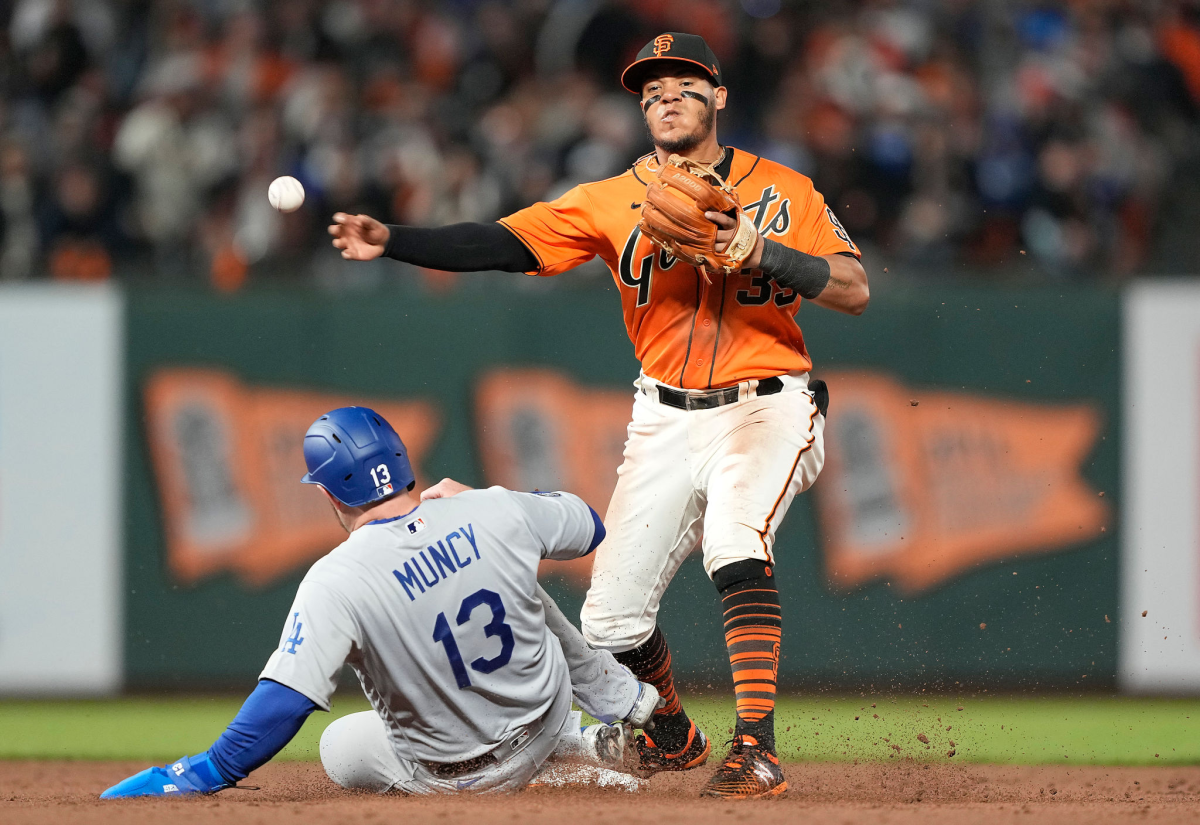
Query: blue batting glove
{"x": 191, "y": 774}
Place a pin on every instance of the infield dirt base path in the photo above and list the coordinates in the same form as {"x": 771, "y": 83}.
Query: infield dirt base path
{"x": 839, "y": 794}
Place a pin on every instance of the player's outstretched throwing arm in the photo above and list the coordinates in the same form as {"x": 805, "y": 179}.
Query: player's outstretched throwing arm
{"x": 460, "y": 247}
{"x": 836, "y": 281}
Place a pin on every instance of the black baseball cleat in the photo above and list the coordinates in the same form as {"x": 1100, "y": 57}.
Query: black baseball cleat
{"x": 749, "y": 770}
{"x": 653, "y": 759}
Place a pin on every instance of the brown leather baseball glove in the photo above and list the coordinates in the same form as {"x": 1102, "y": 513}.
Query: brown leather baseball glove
{"x": 673, "y": 217}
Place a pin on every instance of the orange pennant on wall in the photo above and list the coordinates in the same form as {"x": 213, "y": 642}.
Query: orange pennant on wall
{"x": 228, "y": 459}
{"x": 919, "y": 492}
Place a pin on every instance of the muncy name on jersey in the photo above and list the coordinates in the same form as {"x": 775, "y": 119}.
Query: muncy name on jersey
{"x": 431, "y": 565}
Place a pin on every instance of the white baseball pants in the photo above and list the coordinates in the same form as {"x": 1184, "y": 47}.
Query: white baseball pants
{"x": 357, "y": 751}
{"x": 723, "y": 478}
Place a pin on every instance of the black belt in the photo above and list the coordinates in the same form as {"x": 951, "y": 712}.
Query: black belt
{"x": 449, "y": 770}
{"x": 514, "y": 744}
{"x": 709, "y": 399}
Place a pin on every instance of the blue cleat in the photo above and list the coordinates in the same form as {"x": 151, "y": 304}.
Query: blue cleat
{"x": 195, "y": 774}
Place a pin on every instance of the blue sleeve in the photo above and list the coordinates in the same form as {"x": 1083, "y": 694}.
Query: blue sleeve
{"x": 598, "y": 536}
{"x": 268, "y": 720}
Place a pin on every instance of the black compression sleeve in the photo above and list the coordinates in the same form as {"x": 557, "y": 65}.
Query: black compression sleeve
{"x": 793, "y": 269}
{"x": 460, "y": 247}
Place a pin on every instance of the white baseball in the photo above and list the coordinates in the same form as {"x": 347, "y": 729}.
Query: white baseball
{"x": 286, "y": 194}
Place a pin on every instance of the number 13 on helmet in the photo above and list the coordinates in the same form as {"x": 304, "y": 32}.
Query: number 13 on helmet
{"x": 354, "y": 454}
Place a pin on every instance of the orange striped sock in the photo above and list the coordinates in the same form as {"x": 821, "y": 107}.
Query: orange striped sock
{"x": 753, "y": 631}
{"x": 651, "y": 662}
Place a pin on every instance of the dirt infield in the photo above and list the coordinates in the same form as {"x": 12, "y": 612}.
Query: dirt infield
{"x": 839, "y": 794}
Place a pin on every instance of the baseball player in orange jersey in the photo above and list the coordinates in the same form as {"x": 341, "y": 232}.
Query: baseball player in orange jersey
{"x": 727, "y": 426}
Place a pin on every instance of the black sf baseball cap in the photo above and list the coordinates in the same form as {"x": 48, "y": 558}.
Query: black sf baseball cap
{"x": 687, "y": 48}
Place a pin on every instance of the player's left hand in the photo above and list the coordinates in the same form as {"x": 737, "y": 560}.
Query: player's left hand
{"x": 194, "y": 774}
{"x": 445, "y": 488}
{"x": 725, "y": 232}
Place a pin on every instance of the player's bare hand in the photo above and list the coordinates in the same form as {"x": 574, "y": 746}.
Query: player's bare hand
{"x": 360, "y": 237}
{"x": 445, "y": 488}
{"x": 726, "y": 229}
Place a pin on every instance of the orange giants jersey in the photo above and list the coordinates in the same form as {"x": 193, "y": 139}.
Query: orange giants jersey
{"x": 686, "y": 332}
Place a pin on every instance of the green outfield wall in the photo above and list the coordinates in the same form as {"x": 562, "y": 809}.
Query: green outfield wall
{"x": 1020, "y": 603}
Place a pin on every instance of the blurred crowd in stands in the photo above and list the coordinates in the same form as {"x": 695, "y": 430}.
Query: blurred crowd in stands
{"x": 980, "y": 138}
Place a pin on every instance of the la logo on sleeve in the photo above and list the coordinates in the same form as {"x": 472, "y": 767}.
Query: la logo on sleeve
{"x": 295, "y": 640}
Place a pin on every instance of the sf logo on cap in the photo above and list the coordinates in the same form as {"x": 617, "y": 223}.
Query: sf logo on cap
{"x": 662, "y": 43}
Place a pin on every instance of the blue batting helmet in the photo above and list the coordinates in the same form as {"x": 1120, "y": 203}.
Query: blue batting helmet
{"x": 356, "y": 455}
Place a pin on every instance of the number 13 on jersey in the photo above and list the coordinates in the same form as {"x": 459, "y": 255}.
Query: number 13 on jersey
{"x": 496, "y": 627}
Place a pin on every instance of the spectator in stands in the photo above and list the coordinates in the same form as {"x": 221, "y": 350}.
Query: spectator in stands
{"x": 950, "y": 136}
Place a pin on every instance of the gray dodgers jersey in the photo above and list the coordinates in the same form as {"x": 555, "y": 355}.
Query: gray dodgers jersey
{"x": 437, "y": 614}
